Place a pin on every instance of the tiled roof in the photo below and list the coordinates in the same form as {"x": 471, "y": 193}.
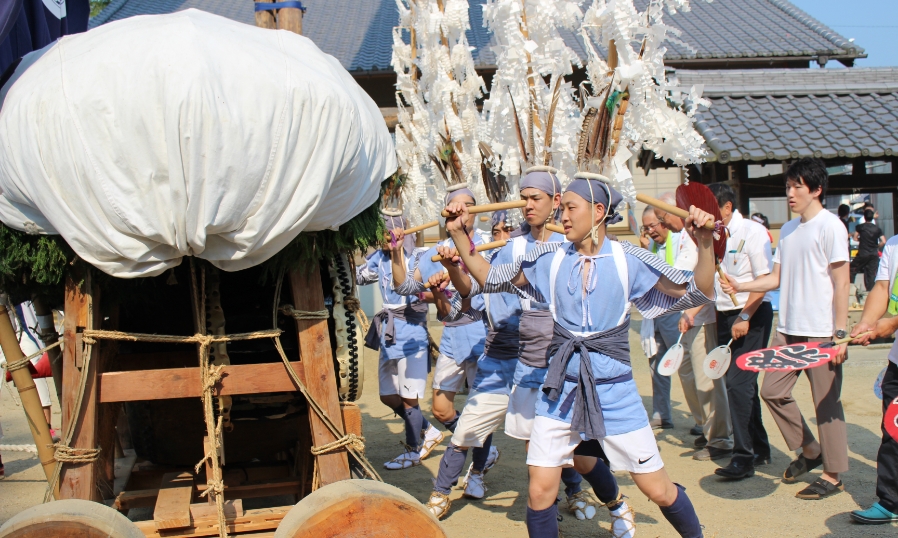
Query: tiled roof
{"x": 359, "y": 32}
{"x": 779, "y": 114}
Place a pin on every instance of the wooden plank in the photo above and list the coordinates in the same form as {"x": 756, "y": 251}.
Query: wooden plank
{"x": 80, "y": 480}
{"x": 164, "y": 384}
{"x": 352, "y": 417}
{"x": 317, "y": 359}
{"x": 141, "y": 498}
{"x": 173, "y": 503}
{"x": 254, "y": 520}
{"x": 232, "y": 509}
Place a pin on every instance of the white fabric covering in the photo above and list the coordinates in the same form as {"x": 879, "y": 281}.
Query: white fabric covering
{"x": 156, "y": 137}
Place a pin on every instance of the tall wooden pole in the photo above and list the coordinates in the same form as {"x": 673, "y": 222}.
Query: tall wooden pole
{"x": 31, "y": 401}
{"x": 285, "y": 18}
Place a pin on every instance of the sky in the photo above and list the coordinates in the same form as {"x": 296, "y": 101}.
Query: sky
{"x": 872, "y": 23}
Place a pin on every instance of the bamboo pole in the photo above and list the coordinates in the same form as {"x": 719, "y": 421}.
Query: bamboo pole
{"x": 421, "y": 227}
{"x": 486, "y": 208}
{"x": 31, "y": 402}
{"x": 479, "y": 248}
{"x": 682, "y": 213}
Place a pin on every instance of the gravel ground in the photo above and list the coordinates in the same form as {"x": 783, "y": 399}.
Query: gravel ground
{"x": 759, "y": 506}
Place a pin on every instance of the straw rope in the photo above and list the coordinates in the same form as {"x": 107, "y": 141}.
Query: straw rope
{"x": 210, "y": 374}
{"x": 352, "y": 439}
{"x": 18, "y": 365}
{"x": 19, "y": 448}
{"x": 303, "y": 314}
{"x": 66, "y": 454}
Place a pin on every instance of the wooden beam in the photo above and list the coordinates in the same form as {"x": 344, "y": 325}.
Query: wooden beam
{"x": 141, "y": 498}
{"x": 80, "y": 480}
{"x": 318, "y": 362}
{"x": 173, "y": 502}
{"x": 254, "y": 520}
{"x": 232, "y": 509}
{"x": 290, "y": 19}
{"x": 168, "y": 383}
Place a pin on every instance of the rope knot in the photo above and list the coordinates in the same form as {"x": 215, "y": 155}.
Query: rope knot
{"x": 67, "y": 454}
{"x": 288, "y": 310}
{"x": 351, "y": 440}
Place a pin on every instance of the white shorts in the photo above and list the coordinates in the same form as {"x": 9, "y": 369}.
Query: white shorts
{"x": 406, "y": 377}
{"x": 521, "y": 411}
{"x": 483, "y": 413}
{"x": 553, "y": 444}
{"x": 450, "y": 377}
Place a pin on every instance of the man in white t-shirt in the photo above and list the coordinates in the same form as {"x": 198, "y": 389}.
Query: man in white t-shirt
{"x": 811, "y": 269}
{"x": 883, "y": 298}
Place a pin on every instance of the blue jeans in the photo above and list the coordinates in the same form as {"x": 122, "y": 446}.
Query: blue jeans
{"x": 667, "y": 333}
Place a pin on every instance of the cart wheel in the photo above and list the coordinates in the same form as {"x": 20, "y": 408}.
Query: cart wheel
{"x": 69, "y": 518}
{"x": 359, "y": 508}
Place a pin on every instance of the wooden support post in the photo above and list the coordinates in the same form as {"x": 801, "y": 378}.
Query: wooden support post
{"x": 290, "y": 18}
{"x": 318, "y": 364}
{"x": 265, "y": 19}
{"x": 80, "y": 480}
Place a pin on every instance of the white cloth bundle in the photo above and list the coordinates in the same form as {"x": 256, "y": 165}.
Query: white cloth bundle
{"x": 156, "y": 137}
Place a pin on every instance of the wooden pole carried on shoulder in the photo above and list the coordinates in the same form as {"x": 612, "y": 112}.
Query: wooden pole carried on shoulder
{"x": 486, "y": 208}
{"x": 682, "y": 213}
{"x": 479, "y": 248}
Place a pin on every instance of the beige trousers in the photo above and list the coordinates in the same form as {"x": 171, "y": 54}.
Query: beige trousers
{"x": 706, "y": 398}
{"x": 826, "y": 390}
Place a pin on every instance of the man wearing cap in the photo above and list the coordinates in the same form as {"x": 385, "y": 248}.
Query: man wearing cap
{"x": 589, "y": 392}
{"x": 399, "y": 333}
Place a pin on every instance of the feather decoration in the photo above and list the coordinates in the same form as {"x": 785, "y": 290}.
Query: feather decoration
{"x": 550, "y": 122}
{"x": 438, "y": 89}
{"x": 518, "y": 131}
{"x": 638, "y": 112}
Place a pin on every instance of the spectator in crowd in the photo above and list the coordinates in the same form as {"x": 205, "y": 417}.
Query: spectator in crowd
{"x": 680, "y": 252}
{"x": 748, "y": 324}
{"x": 878, "y": 304}
{"x": 845, "y": 214}
{"x": 811, "y": 270}
{"x": 870, "y": 239}
{"x": 498, "y": 227}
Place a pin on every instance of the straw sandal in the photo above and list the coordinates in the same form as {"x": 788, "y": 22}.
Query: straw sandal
{"x": 409, "y": 458}
{"x": 430, "y": 439}
{"x": 438, "y": 504}
{"x": 582, "y": 505}
{"x": 623, "y": 519}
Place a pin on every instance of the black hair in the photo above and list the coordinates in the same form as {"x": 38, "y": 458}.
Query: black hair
{"x": 811, "y": 172}
{"x": 762, "y": 218}
{"x": 724, "y": 193}
{"x": 868, "y": 215}
{"x": 844, "y": 210}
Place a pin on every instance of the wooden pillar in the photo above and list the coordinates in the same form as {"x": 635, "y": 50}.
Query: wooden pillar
{"x": 285, "y": 18}
{"x": 318, "y": 365}
{"x": 80, "y": 480}
{"x": 265, "y": 19}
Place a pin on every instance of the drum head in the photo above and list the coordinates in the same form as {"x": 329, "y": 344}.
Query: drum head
{"x": 717, "y": 362}
{"x": 671, "y": 360}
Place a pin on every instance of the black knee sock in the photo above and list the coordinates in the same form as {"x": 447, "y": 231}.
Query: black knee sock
{"x": 413, "y": 417}
{"x": 603, "y": 483}
{"x": 480, "y": 454}
{"x": 450, "y": 425}
{"x": 571, "y": 479}
{"x": 681, "y": 515}
{"x": 542, "y": 523}
{"x": 451, "y": 465}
